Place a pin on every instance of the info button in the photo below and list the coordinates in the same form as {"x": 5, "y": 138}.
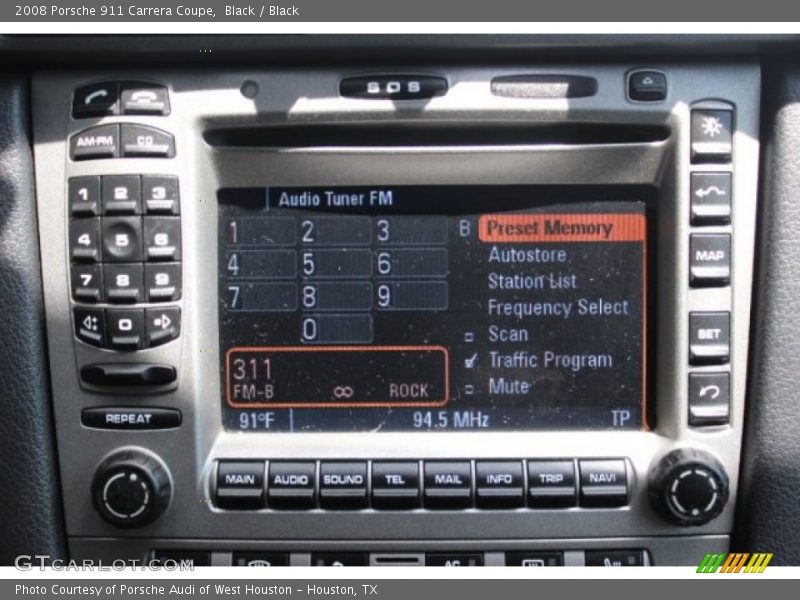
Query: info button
{"x": 499, "y": 484}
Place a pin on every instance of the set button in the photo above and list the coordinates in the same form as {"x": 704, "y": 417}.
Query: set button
{"x": 709, "y": 337}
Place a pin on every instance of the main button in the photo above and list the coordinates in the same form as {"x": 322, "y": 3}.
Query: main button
{"x": 393, "y": 87}
{"x": 343, "y": 485}
{"x": 499, "y": 484}
{"x": 292, "y": 485}
{"x": 130, "y": 418}
{"x": 551, "y": 484}
{"x": 240, "y": 484}
{"x": 96, "y": 142}
{"x": 395, "y": 485}
{"x": 709, "y": 337}
{"x": 146, "y": 142}
{"x": 710, "y": 259}
{"x": 604, "y": 483}
{"x": 448, "y": 485}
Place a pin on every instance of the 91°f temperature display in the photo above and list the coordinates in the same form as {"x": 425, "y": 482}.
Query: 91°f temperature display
{"x": 432, "y": 308}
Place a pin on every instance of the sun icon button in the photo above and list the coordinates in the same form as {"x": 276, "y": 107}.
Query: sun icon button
{"x": 712, "y": 135}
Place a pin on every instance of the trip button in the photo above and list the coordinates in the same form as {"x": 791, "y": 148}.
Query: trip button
{"x": 604, "y": 483}
{"x": 124, "y": 283}
{"x": 95, "y": 100}
{"x": 121, "y": 194}
{"x": 614, "y": 558}
{"x": 84, "y": 196}
{"x": 712, "y": 135}
{"x": 454, "y": 560}
{"x": 163, "y": 325}
{"x": 551, "y": 484}
{"x": 84, "y": 240}
{"x": 146, "y": 142}
{"x": 162, "y": 237}
{"x": 96, "y": 142}
{"x": 292, "y": 485}
{"x": 711, "y": 198}
{"x": 240, "y": 484}
{"x": 130, "y": 418}
{"x": 448, "y": 485}
{"x": 122, "y": 239}
{"x": 160, "y": 194}
{"x": 710, "y": 259}
{"x": 87, "y": 283}
{"x": 343, "y": 485}
{"x": 395, "y": 485}
{"x": 144, "y": 99}
{"x": 90, "y": 326}
{"x": 499, "y": 484}
{"x": 709, "y": 337}
{"x": 125, "y": 328}
{"x": 709, "y": 398}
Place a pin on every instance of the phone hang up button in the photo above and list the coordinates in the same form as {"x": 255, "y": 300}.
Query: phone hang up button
{"x": 144, "y": 99}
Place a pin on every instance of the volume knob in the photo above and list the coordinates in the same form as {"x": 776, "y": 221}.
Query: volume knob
{"x": 689, "y": 487}
{"x": 131, "y": 488}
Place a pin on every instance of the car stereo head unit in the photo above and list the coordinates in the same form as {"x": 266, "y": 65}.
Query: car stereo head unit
{"x": 433, "y": 308}
{"x": 288, "y": 318}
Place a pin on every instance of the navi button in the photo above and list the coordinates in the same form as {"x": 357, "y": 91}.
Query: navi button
{"x": 604, "y": 483}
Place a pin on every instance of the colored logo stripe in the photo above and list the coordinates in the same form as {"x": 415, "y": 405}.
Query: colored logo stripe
{"x": 735, "y": 562}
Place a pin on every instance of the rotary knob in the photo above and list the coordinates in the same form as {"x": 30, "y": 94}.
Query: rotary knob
{"x": 689, "y": 487}
{"x": 131, "y": 488}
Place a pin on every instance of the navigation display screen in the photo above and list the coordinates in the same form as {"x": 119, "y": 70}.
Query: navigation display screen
{"x": 392, "y": 308}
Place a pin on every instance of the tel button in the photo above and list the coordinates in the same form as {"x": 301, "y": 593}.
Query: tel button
{"x": 604, "y": 483}
{"x": 240, "y": 483}
{"x": 95, "y": 100}
{"x": 395, "y": 485}
{"x": 292, "y": 485}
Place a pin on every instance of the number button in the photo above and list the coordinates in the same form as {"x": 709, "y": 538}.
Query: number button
{"x": 121, "y": 195}
{"x": 87, "y": 283}
{"x": 124, "y": 283}
{"x": 163, "y": 282}
{"x": 162, "y": 238}
{"x": 84, "y": 238}
{"x": 84, "y": 196}
{"x": 160, "y": 194}
{"x": 122, "y": 239}
{"x": 125, "y": 329}
{"x": 90, "y": 326}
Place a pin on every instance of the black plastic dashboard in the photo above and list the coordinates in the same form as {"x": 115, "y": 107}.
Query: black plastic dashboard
{"x": 298, "y": 75}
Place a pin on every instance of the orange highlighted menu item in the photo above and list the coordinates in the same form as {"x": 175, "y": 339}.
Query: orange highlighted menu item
{"x": 356, "y": 376}
{"x": 583, "y": 227}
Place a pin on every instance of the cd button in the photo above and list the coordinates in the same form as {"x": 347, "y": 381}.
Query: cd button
{"x": 343, "y": 485}
{"x": 240, "y": 484}
{"x": 499, "y": 484}
{"x": 395, "y": 485}
{"x": 147, "y": 142}
{"x": 551, "y": 483}
{"x": 292, "y": 485}
{"x": 604, "y": 483}
{"x": 448, "y": 485}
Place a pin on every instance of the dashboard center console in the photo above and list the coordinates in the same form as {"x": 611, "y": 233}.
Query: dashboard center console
{"x": 430, "y": 316}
